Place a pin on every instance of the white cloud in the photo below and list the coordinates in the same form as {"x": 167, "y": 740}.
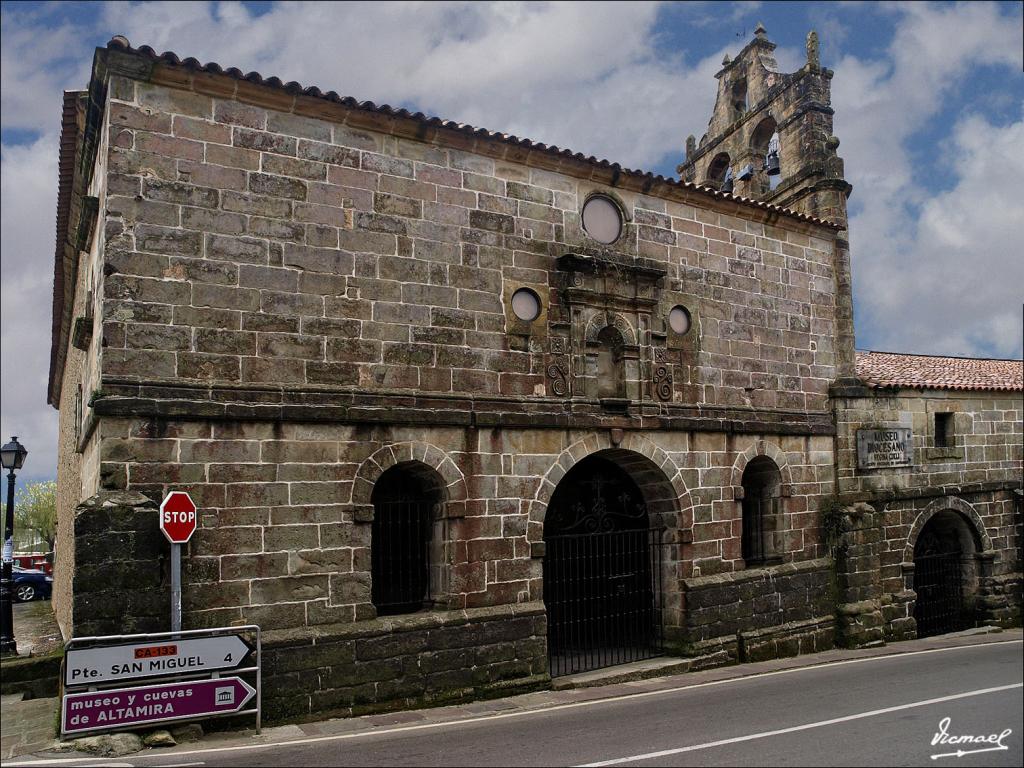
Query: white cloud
{"x": 917, "y": 257}
{"x": 579, "y": 75}
{"x": 28, "y": 189}
{"x": 952, "y": 282}
{"x": 38, "y": 59}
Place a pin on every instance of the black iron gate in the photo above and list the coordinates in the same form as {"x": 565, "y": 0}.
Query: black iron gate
{"x": 938, "y": 581}
{"x": 602, "y": 592}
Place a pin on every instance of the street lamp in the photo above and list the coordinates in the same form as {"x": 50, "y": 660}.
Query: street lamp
{"x": 12, "y": 457}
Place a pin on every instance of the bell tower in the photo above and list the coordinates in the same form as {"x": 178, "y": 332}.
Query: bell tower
{"x": 770, "y": 135}
{"x": 770, "y": 139}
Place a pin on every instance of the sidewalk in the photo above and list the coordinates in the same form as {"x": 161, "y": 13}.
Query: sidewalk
{"x": 29, "y": 725}
{"x": 542, "y": 700}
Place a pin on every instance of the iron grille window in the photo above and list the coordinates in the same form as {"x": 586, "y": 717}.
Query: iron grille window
{"x": 403, "y": 504}
{"x": 762, "y": 512}
{"x": 759, "y": 516}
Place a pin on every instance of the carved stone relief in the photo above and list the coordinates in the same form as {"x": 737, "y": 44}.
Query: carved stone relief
{"x": 661, "y": 379}
{"x": 557, "y": 367}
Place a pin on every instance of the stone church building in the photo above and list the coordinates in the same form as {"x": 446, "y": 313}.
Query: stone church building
{"x": 464, "y": 412}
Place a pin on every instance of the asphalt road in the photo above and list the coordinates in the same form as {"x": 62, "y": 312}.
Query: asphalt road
{"x": 883, "y": 710}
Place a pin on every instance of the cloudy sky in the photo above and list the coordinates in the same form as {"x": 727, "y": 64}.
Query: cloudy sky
{"x": 929, "y": 102}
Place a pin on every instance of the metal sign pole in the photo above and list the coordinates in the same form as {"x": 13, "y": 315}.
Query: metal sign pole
{"x": 175, "y": 587}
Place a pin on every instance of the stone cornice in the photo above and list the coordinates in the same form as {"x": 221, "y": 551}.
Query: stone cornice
{"x": 128, "y": 399}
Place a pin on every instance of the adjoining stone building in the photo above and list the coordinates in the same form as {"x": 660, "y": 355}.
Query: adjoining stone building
{"x": 449, "y": 400}
{"x": 939, "y": 518}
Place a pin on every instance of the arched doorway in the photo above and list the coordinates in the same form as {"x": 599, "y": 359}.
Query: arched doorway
{"x": 944, "y": 575}
{"x": 602, "y": 570}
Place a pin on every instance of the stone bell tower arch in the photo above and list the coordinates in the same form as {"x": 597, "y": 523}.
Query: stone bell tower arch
{"x": 761, "y": 111}
{"x": 757, "y": 103}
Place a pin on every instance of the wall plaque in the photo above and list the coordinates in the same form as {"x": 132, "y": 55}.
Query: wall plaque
{"x": 877, "y": 448}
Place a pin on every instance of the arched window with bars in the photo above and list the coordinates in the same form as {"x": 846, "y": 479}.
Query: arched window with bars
{"x": 407, "y": 501}
{"x": 762, "y": 512}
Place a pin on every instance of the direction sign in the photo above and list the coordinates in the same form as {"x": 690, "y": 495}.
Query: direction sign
{"x": 178, "y": 517}
{"x": 129, "y": 707}
{"x": 88, "y": 666}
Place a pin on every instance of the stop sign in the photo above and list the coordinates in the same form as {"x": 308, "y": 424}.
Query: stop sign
{"x": 178, "y": 517}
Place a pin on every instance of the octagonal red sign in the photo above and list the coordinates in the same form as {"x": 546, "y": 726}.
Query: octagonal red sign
{"x": 178, "y": 517}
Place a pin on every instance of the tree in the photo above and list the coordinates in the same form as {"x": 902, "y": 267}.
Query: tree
{"x": 35, "y": 509}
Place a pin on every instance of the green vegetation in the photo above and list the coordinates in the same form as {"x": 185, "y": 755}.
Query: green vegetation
{"x": 834, "y": 524}
{"x": 35, "y": 509}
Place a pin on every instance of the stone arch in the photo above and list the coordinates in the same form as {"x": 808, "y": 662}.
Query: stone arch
{"x": 601, "y": 320}
{"x": 665, "y": 495}
{"x": 762, "y": 134}
{"x": 717, "y": 168}
{"x": 400, "y": 453}
{"x": 654, "y": 469}
{"x": 969, "y": 515}
{"x": 762, "y": 448}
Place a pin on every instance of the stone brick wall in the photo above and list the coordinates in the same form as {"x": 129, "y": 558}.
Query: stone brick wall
{"x": 284, "y": 541}
{"x": 975, "y": 478}
{"x": 69, "y": 489}
{"x": 989, "y": 444}
{"x": 77, "y": 455}
{"x": 405, "y": 661}
{"x": 763, "y": 612}
{"x": 297, "y": 296}
{"x": 121, "y": 580}
{"x": 267, "y": 248}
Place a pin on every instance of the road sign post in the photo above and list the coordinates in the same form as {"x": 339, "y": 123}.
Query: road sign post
{"x": 178, "y": 516}
{"x": 131, "y": 661}
{"x": 131, "y": 707}
{"x": 175, "y": 587}
{"x": 137, "y": 681}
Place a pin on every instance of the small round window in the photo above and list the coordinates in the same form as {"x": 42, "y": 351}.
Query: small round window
{"x": 602, "y": 219}
{"x": 526, "y": 305}
{"x": 679, "y": 319}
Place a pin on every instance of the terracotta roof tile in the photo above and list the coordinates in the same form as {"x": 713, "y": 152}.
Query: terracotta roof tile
{"x": 888, "y": 369}
{"x": 121, "y": 43}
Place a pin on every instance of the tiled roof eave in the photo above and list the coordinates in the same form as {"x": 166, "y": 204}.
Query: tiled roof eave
{"x": 893, "y": 371}
{"x": 68, "y": 146}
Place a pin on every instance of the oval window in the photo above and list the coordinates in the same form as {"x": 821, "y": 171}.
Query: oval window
{"x": 602, "y": 219}
{"x": 679, "y": 319}
{"x": 526, "y": 305}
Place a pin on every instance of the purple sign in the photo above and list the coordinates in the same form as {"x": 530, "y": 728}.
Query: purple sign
{"x": 127, "y": 707}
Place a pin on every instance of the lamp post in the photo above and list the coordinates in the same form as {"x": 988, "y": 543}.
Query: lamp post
{"x": 12, "y": 457}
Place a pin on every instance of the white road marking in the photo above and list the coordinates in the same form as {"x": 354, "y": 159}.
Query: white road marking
{"x": 804, "y": 727}
{"x": 558, "y": 707}
{"x": 68, "y": 761}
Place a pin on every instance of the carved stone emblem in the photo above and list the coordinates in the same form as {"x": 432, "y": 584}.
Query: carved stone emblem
{"x": 662, "y": 381}
{"x": 558, "y": 375}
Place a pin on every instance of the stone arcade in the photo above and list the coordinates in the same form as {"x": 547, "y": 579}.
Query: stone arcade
{"x": 462, "y": 411}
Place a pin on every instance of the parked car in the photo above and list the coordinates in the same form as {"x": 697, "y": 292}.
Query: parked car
{"x": 31, "y": 585}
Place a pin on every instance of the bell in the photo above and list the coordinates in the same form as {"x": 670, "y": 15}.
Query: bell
{"x": 771, "y": 164}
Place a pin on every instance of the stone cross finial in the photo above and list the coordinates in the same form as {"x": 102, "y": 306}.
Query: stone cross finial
{"x": 760, "y": 31}
{"x": 813, "y": 59}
